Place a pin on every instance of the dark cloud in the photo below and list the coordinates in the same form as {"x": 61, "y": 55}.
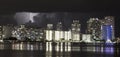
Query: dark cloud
{"x": 7, "y": 19}
{"x": 53, "y": 18}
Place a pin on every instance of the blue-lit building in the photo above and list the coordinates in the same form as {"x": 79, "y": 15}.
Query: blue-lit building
{"x": 107, "y": 32}
{"x": 107, "y": 29}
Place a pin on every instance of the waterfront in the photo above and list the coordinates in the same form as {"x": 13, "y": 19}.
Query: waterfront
{"x": 49, "y": 49}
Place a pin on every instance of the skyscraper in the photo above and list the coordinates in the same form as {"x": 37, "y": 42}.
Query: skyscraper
{"x": 59, "y": 33}
{"x": 75, "y": 28}
{"x": 49, "y": 32}
{"x": 110, "y": 21}
{"x": 94, "y": 28}
{"x": 108, "y": 28}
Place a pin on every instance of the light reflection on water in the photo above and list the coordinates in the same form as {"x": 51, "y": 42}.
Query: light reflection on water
{"x": 60, "y": 49}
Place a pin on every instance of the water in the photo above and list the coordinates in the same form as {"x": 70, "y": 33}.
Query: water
{"x": 49, "y": 49}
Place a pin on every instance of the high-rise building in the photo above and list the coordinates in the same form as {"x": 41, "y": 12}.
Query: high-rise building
{"x": 108, "y": 28}
{"x": 110, "y": 21}
{"x": 49, "y": 32}
{"x": 59, "y": 33}
{"x": 107, "y": 32}
{"x": 94, "y": 28}
{"x": 89, "y": 25}
{"x": 75, "y": 28}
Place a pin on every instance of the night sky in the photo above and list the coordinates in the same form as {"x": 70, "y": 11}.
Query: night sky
{"x": 65, "y": 11}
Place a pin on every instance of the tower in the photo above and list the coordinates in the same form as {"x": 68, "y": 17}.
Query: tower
{"x": 59, "y": 33}
{"x": 110, "y": 21}
{"x": 94, "y": 28}
{"x": 108, "y": 28}
{"x": 75, "y": 28}
{"x": 49, "y": 32}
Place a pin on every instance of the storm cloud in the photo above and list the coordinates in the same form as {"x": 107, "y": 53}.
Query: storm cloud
{"x": 24, "y": 17}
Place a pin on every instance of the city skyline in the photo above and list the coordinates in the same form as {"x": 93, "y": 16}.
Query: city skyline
{"x": 43, "y": 18}
{"x": 97, "y": 30}
{"x": 59, "y": 28}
